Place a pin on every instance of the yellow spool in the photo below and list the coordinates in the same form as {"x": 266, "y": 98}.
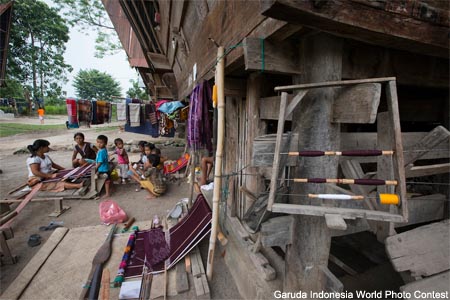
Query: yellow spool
{"x": 388, "y": 199}
{"x": 214, "y": 96}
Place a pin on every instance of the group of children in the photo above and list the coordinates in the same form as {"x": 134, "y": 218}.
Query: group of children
{"x": 146, "y": 172}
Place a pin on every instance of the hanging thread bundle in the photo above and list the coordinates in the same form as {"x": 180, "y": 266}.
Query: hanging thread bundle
{"x": 126, "y": 255}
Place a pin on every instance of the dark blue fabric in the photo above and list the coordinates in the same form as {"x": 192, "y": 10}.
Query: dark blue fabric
{"x": 94, "y": 112}
{"x": 149, "y": 129}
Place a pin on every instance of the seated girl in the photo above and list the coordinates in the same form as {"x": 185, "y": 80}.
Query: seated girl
{"x": 154, "y": 181}
{"x": 40, "y": 168}
{"x": 88, "y": 151}
{"x": 136, "y": 171}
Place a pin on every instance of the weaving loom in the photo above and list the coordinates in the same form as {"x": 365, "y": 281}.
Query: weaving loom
{"x": 72, "y": 174}
{"x": 154, "y": 250}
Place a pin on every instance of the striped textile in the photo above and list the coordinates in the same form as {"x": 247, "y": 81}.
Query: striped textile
{"x": 181, "y": 239}
{"x": 71, "y": 105}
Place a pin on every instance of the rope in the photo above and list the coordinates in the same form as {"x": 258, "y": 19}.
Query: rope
{"x": 227, "y": 51}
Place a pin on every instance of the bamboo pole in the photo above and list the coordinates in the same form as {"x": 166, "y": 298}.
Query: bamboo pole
{"x": 192, "y": 172}
{"x": 218, "y": 163}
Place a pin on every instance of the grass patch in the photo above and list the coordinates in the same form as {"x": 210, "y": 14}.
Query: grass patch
{"x": 8, "y": 129}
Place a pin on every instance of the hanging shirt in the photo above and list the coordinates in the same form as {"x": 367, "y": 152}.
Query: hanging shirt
{"x": 45, "y": 164}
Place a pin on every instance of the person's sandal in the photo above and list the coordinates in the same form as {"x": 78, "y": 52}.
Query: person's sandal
{"x": 52, "y": 225}
{"x": 34, "y": 240}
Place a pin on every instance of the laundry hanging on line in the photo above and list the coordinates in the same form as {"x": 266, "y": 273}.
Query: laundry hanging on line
{"x": 86, "y": 112}
{"x": 145, "y": 118}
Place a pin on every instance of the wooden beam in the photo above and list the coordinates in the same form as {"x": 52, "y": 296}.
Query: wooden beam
{"x": 425, "y": 209}
{"x": 423, "y": 251}
{"x": 368, "y": 140}
{"x": 335, "y": 221}
{"x": 135, "y": 25}
{"x": 307, "y": 258}
{"x": 265, "y": 56}
{"x": 264, "y": 149}
{"x": 181, "y": 278}
{"x": 330, "y": 84}
{"x": 428, "y": 142}
{"x": 277, "y": 232}
{"x": 385, "y": 169}
{"x": 410, "y": 69}
{"x": 418, "y": 171}
{"x": 332, "y": 283}
{"x": 295, "y": 101}
{"x": 342, "y": 265}
{"x": 346, "y": 213}
{"x": 276, "y": 160}
{"x": 269, "y": 108}
{"x": 357, "y": 104}
{"x": 397, "y": 146}
{"x": 159, "y": 61}
{"x": 285, "y": 32}
{"x": 144, "y": 28}
{"x": 434, "y": 285}
{"x": 255, "y": 127}
{"x": 364, "y": 23}
{"x": 148, "y": 17}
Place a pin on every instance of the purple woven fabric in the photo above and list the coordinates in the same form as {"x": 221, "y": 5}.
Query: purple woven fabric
{"x": 199, "y": 130}
{"x": 152, "y": 248}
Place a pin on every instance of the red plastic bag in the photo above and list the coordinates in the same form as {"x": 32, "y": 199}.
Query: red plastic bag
{"x": 110, "y": 212}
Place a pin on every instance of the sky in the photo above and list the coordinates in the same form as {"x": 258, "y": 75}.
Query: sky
{"x": 80, "y": 55}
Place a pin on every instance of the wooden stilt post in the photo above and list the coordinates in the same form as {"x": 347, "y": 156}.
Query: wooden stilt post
{"x": 220, "y": 80}
{"x": 307, "y": 256}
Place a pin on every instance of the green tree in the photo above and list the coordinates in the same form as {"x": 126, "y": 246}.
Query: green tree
{"x": 12, "y": 89}
{"x": 91, "y": 14}
{"x": 93, "y": 84}
{"x": 136, "y": 92}
{"x": 37, "y": 45}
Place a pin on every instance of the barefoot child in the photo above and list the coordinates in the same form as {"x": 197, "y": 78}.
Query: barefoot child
{"x": 137, "y": 169}
{"x": 122, "y": 159}
{"x": 102, "y": 164}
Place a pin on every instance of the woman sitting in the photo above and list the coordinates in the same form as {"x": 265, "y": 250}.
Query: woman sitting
{"x": 40, "y": 168}
{"x": 87, "y": 151}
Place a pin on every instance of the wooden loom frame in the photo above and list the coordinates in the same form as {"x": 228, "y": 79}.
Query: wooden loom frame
{"x": 397, "y": 167}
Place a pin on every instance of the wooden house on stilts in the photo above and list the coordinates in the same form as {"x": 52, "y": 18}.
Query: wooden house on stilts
{"x": 314, "y": 90}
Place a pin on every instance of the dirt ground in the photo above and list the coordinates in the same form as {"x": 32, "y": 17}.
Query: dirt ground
{"x": 85, "y": 212}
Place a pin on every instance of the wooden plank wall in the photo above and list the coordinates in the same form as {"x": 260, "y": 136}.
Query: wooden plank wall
{"x": 231, "y": 152}
{"x": 239, "y": 19}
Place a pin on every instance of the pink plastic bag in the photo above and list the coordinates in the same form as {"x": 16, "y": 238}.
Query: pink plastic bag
{"x": 110, "y": 212}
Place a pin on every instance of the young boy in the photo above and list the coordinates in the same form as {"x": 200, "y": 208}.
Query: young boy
{"x": 102, "y": 164}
